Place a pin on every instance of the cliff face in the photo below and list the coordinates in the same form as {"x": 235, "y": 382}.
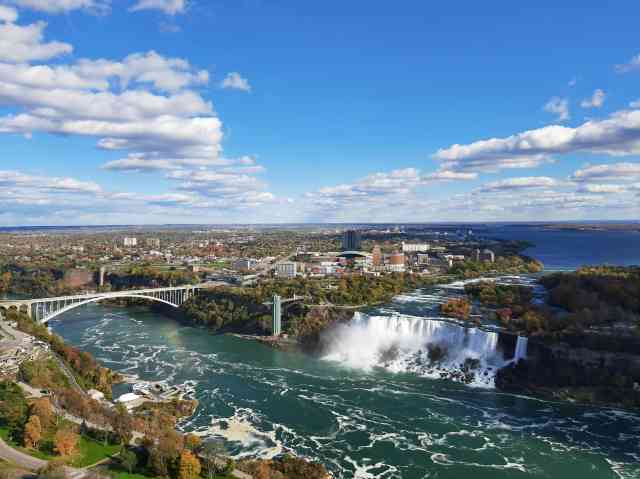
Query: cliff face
{"x": 310, "y": 327}
{"x": 574, "y": 369}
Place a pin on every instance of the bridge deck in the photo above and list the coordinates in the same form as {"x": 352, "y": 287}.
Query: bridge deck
{"x": 112, "y": 294}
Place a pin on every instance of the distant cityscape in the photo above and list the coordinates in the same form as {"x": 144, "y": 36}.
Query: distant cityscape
{"x": 243, "y": 257}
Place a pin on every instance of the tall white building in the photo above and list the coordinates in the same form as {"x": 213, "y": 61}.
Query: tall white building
{"x": 130, "y": 242}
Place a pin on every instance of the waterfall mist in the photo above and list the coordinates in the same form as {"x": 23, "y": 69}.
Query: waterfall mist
{"x": 428, "y": 347}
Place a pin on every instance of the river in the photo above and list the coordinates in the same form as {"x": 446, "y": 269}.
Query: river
{"x": 371, "y": 406}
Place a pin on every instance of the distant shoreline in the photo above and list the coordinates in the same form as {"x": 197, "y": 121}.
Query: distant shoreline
{"x": 590, "y": 227}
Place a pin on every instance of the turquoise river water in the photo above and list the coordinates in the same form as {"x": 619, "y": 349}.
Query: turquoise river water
{"x": 373, "y": 405}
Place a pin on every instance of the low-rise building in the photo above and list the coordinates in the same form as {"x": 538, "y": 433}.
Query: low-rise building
{"x": 452, "y": 258}
{"x": 423, "y": 258}
{"x": 153, "y": 242}
{"x": 286, "y": 269}
{"x": 414, "y": 247}
{"x": 396, "y": 262}
{"x": 245, "y": 264}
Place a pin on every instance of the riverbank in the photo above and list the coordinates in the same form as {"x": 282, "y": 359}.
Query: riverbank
{"x": 261, "y": 402}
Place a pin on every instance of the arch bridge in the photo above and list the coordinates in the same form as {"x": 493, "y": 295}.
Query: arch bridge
{"x": 45, "y": 309}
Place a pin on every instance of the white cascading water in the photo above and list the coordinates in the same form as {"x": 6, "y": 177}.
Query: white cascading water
{"x": 401, "y": 343}
{"x": 521, "y": 349}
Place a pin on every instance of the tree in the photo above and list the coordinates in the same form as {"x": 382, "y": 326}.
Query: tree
{"x": 122, "y": 424}
{"x": 230, "y": 467}
{"x": 163, "y": 455}
{"x": 53, "y": 470}
{"x": 13, "y": 408}
{"x": 32, "y": 432}
{"x": 128, "y": 459}
{"x": 192, "y": 442}
{"x": 5, "y": 281}
{"x": 65, "y": 442}
{"x": 458, "y": 308}
{"x": 213, "y": 453}
{"x": 189, "y": 466}
{"x": 43, "y": 409}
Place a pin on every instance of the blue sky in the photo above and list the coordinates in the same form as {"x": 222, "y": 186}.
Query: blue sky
{"x": 190, "y": 111}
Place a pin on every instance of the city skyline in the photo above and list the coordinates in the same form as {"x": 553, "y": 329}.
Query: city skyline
{"x": 176, "y": 111}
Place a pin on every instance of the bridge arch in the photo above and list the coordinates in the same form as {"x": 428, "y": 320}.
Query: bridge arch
{"x": 101, "y": 298}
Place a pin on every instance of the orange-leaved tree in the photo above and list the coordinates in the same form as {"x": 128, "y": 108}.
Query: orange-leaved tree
{"x": 189, "y": 465}
{"x": 65, "y": 442}
{"x": 32, "y": 432}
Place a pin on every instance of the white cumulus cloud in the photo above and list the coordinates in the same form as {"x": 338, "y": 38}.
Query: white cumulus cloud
{"x": 631, "y": 65}
{"x": 558, "y": 106}
{"x": 625, "y": 171}
{"x": 603, "y": 188}
{"x": 617, "y": 135}
{"x": 170, "y": 7}
{"x": 596, "y": 100}
{"x": 8, "y": 14}
{"x": 234, "y": 81}
{"x": 62, "y": 6}
{"x": 522, "y": 183}
{"x": 25, "y": 43}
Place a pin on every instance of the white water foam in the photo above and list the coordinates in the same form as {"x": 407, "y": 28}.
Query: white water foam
{"x": 240, "y": 429}
{"x": 429, "y": 347}
{"x": 521, "y": 349}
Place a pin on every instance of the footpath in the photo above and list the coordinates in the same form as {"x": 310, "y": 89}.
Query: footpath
{"x": 30, "y": 463}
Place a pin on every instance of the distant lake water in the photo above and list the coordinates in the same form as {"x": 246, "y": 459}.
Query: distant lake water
{"x": 569, "y": 249}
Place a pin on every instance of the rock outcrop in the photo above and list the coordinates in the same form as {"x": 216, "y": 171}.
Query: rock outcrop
{"x": 589, "y": 368}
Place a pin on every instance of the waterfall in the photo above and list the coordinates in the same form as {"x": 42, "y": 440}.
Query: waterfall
{"x": 429, "y": 347}
{"x": 521, "y": 349}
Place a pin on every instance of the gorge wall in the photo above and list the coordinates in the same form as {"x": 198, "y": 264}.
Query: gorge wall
{"x": 580, "y": 368}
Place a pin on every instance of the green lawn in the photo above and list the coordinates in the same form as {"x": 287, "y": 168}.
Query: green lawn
{"x": 120, "y": 474}
{"x": 125, "y": 475}
{"x": 89, "y": 451}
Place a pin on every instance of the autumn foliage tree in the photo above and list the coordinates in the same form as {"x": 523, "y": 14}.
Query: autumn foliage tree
{"x": 192, "y": 442}
{"x": 32, "y": 432}
{"x": 65, "y": 442}
{"x": 457, "y": 308}
{"x": 5, "y": 281}
{"x": 189, "y": 465}
{"x": 165, "y": 451}
{"x": 122, "y": 424}
{"x": 43, "y": 410}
